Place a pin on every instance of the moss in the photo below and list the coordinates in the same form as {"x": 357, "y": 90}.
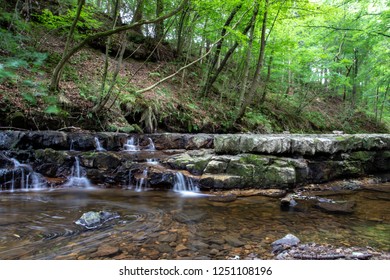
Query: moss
{"x": 50, "y": 155}
{"x": 245, "y": 171}
{"x": 362, "y": 156}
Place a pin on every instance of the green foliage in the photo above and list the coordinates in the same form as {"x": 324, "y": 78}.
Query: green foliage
{"x": 86, "y": 24}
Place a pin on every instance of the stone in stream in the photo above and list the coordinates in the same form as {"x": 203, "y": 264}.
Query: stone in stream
{"x": 284, "y": 243}
{"x": 92, "y": 220}
{"x": 345, "y": 207}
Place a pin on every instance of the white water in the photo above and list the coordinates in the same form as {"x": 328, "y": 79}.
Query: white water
{"x": 142, "y": 181}
{"x": 183, "y": 184}
{"x": 151, "y": 146}
{"x": 98, "y": 145}
{"x": 24, "y": 178}
{"x": 76, "y": 179}
{"x": 130, "y": 145}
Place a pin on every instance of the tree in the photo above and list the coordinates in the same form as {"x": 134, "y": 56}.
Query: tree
{"x": 53, "y": 87}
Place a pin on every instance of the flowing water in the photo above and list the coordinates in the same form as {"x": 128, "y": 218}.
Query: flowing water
{"x": 165, "y": 224}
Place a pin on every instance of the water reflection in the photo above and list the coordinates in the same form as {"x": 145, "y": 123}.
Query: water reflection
{"x": 160, "y": 224}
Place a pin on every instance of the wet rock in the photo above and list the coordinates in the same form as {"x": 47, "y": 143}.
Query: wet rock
{"x": 105, "y": 251}
{"x": 284, "y": 243}
{"x": 223, "y": 197}
{"x": 199, "y": 245}
{"x": 169, "y": 237}
{"x": 313, "y": 251}
{"x": 233, "y": 241}
{"x": 92, "y": 220}
{"x": 189, "y": 217}
{"x": 337, "y": 207}
{"x": 220, "y": 181}
{"x": 164, "y": 248}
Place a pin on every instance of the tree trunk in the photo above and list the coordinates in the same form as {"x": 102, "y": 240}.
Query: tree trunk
{"x": 257, "y": 77}
{"x": 354, "y": 78}
{"x": 180, "y": 37}
{"x": 268, "y": 78}
{"x": 68, "y": 41}
{"x": 248, "y": 54}
{"x": 384, "y": 102}
{"x": 227, "y": 56}
{"x": 159, "y": 26}
{"x": 215, "y": 58}
{"x": 138, "y": 15}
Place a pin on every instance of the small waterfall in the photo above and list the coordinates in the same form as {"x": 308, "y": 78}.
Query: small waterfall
{"x": 23, "y": 177}
{"x": 98, "y": 146}
{"x": 142, "y": 182}
{"x": 71, "y": 148}
{"x": 184, "y": 184}
{"x": 151, "y": 146}
{"x": 130, "y": 145}
{"x": 76, "y": 179}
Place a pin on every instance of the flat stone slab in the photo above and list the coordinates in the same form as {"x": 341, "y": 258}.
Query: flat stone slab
{"x": 302, "y": 144}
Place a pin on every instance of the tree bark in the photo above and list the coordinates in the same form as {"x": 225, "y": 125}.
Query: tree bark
{"x": 138, "y": 15}
{"x": 215, "y": 58}
{"x": 248, "y": 53}
{"x": 53, "y": 87}
{"x": 159, "y": 26}
{"x": 257, "y": 77}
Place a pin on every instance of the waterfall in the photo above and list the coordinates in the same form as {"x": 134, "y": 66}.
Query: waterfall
{"x": 71, "y": 148}
{"x": 142, "y": 181}
{"x": 184, "y": 184}
{"x": 76, "y": 179}
{"x": 151, "y": 146}
{"x": 98, "y": 146}
{"x": 23, "y": 177}
{"x": 130, "y": 145}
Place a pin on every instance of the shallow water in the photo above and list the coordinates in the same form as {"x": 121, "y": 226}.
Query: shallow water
{"x": 169, "y": 225}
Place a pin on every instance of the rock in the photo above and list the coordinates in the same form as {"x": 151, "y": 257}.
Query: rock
{"x": 284, "y": 243}
{"x": 189, "y": 217}
{"x": 92, "y": 220}
{"x": 164, "y": 248}
{"x": 337, "y": 207}
{"x": 105, "y": 251}
{"x": 233, "y": 241}
{"x": 169, "y": 237}
{"x": 223, "y": 197}
{"x": 220, "y": 181}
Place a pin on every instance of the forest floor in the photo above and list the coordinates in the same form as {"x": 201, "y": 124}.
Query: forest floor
{"x": 174, "y": 106}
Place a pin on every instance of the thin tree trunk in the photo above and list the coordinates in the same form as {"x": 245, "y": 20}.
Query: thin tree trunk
{"x": 257, "y": 77}
{"x": 227, "y": 56}
{"x": 384, "y": 102}
{"x": 108, "y": 46}
{"x": 354, "y": 79}
{"x": 215, "y": 58}
{"x": 105, "y": 99}
{"x": 138, "y": 15}
{"x": 70, "y": 35}
{"x": 248, "y": 54}
{"x": 159, "y": 26}
{"x": 268, "y": 78}
{"x": 180, "y": 37}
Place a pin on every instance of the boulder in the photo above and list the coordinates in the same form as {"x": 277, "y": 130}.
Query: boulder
{"x": 284, "y": 243}
{"x": 92, "y": 219}
{"x": 345, "y": 207}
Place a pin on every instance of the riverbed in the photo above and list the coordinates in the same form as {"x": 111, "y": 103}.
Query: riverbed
{"x": 172, "y": 225}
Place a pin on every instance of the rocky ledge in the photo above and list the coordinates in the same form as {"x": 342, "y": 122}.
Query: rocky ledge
{"x": 214, "y": 162}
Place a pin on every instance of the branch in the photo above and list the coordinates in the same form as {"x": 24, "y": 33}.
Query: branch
{"x": 177, "y": 72}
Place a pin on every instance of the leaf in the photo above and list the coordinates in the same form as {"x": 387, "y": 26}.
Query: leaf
{"x": 30, "y": 98}
{"x": 52, "y": 109}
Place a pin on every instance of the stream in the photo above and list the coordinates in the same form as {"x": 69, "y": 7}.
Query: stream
{"x": 40, "y": 224}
